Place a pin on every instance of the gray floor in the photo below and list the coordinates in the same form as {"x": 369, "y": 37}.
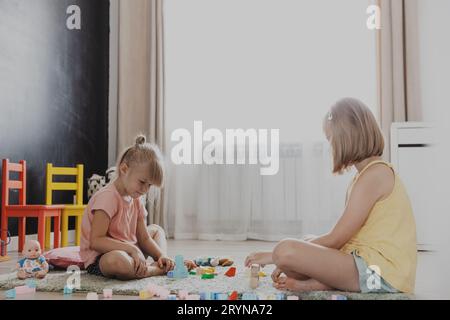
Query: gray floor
{"x": 429, "y": 282}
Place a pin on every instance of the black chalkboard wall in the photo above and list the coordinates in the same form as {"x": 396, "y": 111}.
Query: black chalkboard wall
{"x": 53, "y": 90}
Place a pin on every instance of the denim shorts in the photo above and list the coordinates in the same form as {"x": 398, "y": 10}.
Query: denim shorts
{"x": 369, "y": 280}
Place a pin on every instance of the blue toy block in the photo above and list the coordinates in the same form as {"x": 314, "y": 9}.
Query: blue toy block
{"x": 11, "y": 294}
{"x": 30, "y": 283}
{"x": 281, "y": 296}
{"x": 170, "y": 274}
{"x": 180, "y": 270}
{"x": 68, "y": 290}
{"x": 206, "y": 296}
{"x": 171, "y": 297}
{"x": 221, "y": 296}
{"x": 249, "y": 296}
{"x": 338, "y": 297}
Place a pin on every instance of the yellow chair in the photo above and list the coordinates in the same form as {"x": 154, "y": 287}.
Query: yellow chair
{"x": 71, "y": 210}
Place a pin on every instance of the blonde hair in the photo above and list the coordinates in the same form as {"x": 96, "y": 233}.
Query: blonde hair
{"x": 353, "y": 132}
{"x": 143, "y": 152}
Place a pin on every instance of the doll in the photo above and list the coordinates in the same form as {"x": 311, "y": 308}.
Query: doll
{"x": 33, "y": 265}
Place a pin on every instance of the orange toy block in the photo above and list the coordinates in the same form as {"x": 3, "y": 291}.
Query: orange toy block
{"x": 231, "y": 272}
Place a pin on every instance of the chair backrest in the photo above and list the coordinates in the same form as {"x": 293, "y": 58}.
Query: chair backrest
{"x": 8, "y": 184}
{"x": 76, "y": 186}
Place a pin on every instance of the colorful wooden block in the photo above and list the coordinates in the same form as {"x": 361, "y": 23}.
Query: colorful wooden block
{"x": 206, "y": 296}
{"x": 249, "y": 296}
{"x": 180, "y": 270}
{"x": 231, "y": 272}
{"x": 193, "y": 297}
{"x": 233, "y": 296}
{"x": 24, "y": 290}
{"x": 144, "y": 294}
{"x": 171, "y": 297}
{"x": 292, "y": 298}
{"x": 67, "y": 290}
{"x": 92, "y": 296}
{"x": 338, "y": 297}
{"x": 280, "y": 296}
{"x": 221, "y": 296}
{"x": 10, "y": 294}
{"x": 107, "y": 293}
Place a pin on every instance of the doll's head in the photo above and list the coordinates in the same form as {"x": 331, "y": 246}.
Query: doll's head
{"x": 32, "y": 249}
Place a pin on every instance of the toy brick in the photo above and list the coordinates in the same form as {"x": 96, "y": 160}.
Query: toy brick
{"x": 107, "y": 293}
{"x": 67, "y": 290}
{"x": 231, "y": 272}
{"x": 233, "y": 296}
{"x": 24, "y": 290}
{"x": 92, "y": 296}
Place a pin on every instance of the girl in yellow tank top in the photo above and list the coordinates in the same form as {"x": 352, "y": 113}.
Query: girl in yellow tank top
{"x": 372, "y": 247}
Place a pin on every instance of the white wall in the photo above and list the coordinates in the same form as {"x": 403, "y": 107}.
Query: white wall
{"x": 266, "y": 63}
{"x": 434, "y": 40}
{"x": 434, "y": 37}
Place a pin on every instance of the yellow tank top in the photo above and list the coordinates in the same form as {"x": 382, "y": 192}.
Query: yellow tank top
{"x": 388, "y": 237}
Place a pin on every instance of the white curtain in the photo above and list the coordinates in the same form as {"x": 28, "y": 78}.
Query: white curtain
{"x": 235, "y": 202}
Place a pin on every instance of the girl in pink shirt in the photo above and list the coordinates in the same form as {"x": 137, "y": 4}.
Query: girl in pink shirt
{"x": 114, "y": 237}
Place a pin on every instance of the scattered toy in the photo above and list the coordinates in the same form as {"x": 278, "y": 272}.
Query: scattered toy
{"x": 233, "y": 296}
{"x": 67, "y": 290}
{"x": 254, "y": 276}
{"x": 107, "y": 293}
{"x": 231, "y": 272}
{"x": 92, "y": 296}
{"x": 180, "y": 270}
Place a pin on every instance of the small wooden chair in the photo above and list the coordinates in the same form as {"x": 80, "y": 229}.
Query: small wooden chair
{"x": 70, "y": 210}
{"x": 22, "y": 210}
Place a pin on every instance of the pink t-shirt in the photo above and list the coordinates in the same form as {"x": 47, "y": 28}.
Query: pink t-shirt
{"x": 124, "y": 213}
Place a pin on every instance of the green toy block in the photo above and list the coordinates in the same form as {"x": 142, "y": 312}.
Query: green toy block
{"x": 208, "y": 276}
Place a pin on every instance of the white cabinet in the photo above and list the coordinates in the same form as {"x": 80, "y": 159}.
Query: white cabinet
{"x": 412, "y": 155}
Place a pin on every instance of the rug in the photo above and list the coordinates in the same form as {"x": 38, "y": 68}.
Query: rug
{"x": 56, "y": 280}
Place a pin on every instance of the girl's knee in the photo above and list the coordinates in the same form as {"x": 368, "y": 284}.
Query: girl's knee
{"x": 116, "y": 263}
{"x": 285, "y": 251}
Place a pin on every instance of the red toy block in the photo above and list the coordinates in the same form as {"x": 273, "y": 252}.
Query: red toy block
{"x": 231, "y": 272}
{"x": 233, "y": 296}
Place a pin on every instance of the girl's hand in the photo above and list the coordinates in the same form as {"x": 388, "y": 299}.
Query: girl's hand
{"x": 190, "y": 264}
{"x": 166, "y": 263}
{"x": 276, "y": 275}
{"x": 261, "y": 258}
{"x": 140, "y": 265}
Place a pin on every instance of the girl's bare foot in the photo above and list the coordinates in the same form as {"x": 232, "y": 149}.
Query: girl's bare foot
{"x": 291, "y": 284}
{"x": 154, "y": 271}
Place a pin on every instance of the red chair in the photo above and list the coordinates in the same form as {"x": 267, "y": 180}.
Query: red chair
{"x": 24, "y": 211}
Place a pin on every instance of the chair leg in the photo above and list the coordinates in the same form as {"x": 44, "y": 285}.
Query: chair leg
{"x": 64, "y": 229}
{"x": 56, "y": 231}
{"x": 22, "y": 227}
{"x": 78, "y": 230}
{"x": 4, "y": 233}
{"x": 41, "y": 231}
{"x": 48, "y": 230}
